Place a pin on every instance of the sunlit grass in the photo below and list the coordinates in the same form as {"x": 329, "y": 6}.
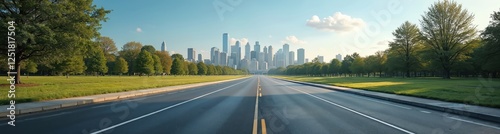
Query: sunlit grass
{"x": 38, "y": 88}
{"x": 478, "y": 91}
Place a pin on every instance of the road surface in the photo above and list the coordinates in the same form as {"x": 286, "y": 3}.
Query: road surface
{"x": 241, "y": 107}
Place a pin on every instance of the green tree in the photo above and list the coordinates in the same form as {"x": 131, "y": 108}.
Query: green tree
{"x": 488, "y": 54}
{"x": 202, "y": 68}
{"x": 48, "y": 29}
{"x": 334, "y": 67}
{"x": 121, "y": 66}
{"x": 406, "y": 41}
{"x": 357, "y": 66}
{"x": 157, "y": 64}
{"x": 108, "y": 47}
{"x": 447, "y": 30}
{"x": 96, "y": 62}
{"x": 71, "y": 65}
{"x": 211, "y": 70}
{"x": 149, "y": 48}
{"x": 166, "y": 61}
{"x": 193, "y": 69}
{"x": 145, "y": 63}
{"x": 31, "y": 67}
{"x": 129, "y": 52}
{"x": 177, "y": 67}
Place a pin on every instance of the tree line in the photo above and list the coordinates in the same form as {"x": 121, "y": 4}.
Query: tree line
{"x": 446, "y": 44}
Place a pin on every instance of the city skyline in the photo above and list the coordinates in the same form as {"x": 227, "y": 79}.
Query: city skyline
{"x": 298, "y": 23}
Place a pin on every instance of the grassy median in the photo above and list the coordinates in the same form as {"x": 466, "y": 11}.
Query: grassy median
{"x": 477, "y": 91}
{"x": 38, "y": 88}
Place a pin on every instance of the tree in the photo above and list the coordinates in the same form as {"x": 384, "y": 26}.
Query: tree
{"x": 49, "y": 30}
{"x": 108, "y": 47}
{"x": 129, "y": 52}
{"x": 177, "y": 67}
{"x": 96, "y": 61}
{"x": 157, "y": 64}
{"x": 211, "y": 70}
{"x": 488, "y": 54}
{"x": 145, "y": 63}
{"x": 193, "y": 69}
{"x": 447, "y": 30}
{"x": 357, "y": 66}
{"x": 71, "y": 65}
{"x": 405, "y": 44}
{"x": 31, "y": 67}
{"x": 334, "y": 67}
{"x": 121, "y": 66}
{"x": 166, "y": 61}
{"x": 149, "y": 48}
{"x": 202, "y": 68}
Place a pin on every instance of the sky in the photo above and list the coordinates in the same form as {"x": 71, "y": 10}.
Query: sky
{"x": 321, "y": 27}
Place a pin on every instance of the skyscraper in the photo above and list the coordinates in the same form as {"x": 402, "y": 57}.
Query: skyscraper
{"x": 265, "y": 53}
{"x": 247, "y": 51}
{"x": 256, "y": 48}
{"x": 200, "y": 58}
{"x": 291, "y": 56}
{"x": 270, "y": 60}
{"x": 163, "y": 46}
{"x": 339, "y": 57}
{"x": 191, "y": 55}
{"x": 286, "y": 50}
{"x": 225, "y": 42}
{"x": 300, "y": 56}
{"x": 223, "y": 59}
{"x": 236, "y": 53}
{"x": 321, "y": 59}
{"x": 214, "y": 56}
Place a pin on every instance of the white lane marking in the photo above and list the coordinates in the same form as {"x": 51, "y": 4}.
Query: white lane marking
{"x": 384, "y": 102}
{"x": 256, "y": 112}
{"x": 354, "y": 111}
{"x": 472, "y": 122}
{"x": 163, "y": 109}
{"x": 46, "y": 116}
{"x": 427, "y": 112}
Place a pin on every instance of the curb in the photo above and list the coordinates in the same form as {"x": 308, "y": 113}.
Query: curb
{"x": 476, "y": 115}
{"x": 123, "y": 95}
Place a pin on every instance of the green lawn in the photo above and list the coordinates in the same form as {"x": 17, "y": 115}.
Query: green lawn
{"x": 38, "y": 88}
{"x": 477, "y": 91}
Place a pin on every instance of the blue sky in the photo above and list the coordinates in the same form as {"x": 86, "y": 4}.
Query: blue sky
{"x": 355, "y": 25}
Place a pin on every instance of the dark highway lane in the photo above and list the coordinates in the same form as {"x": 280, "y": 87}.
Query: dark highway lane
{"x": 230, "y": 107}
{"x": 294, "y": 108}
{"x": 220, "y": 108}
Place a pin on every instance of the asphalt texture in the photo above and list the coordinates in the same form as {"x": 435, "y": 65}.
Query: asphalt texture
{"x": 229, "y": 108}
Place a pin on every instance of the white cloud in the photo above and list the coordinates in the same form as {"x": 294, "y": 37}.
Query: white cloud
{"x": 293, "y": 40}
{"x": 243, "y": 41}
{"x": 337, "y": 23}
{"x": 139, "y": 30}
{"x": 383, "y": 43}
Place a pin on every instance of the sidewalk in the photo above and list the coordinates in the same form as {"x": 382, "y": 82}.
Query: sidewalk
{"x": 479, "y": 112}
{"x": 31, "y": 107}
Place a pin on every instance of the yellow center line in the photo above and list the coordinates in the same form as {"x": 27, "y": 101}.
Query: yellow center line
{"x": 263, "y": 126}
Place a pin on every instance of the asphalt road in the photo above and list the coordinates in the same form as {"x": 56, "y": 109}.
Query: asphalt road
{"x": 230, "y": 107}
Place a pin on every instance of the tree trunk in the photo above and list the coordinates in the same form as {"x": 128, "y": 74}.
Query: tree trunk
{"x": 18, "y": 67}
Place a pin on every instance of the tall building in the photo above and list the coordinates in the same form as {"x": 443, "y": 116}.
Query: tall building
{"x": 247, "y": 51}
{"x": 253, "y": 55}
{"x": 191, "y": 55}
{"x": 236, "y": 53}
{"x": 214, "y": 56}
{"x": 200, "y": 58}
{"x": 321, "y": 59}
{"x": 300, "y": 56}
{"x": 256, "y": 48}
{"x": 286, "y": 50}
{"x": 163, "y": 46}
{"x": 225, "y": 42}
{"x": 279, "y": 58}
{"x": 339, "y": 57}
{"x": 291, "y": 56}
{"x": 265, "y": 53}
{"x": 270, "y": 60}
{"x": 223, "y": 59}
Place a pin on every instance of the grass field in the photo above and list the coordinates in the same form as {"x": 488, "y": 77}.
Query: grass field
{"x": 477, "y": 91}
{"x": 38, "y": 88}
